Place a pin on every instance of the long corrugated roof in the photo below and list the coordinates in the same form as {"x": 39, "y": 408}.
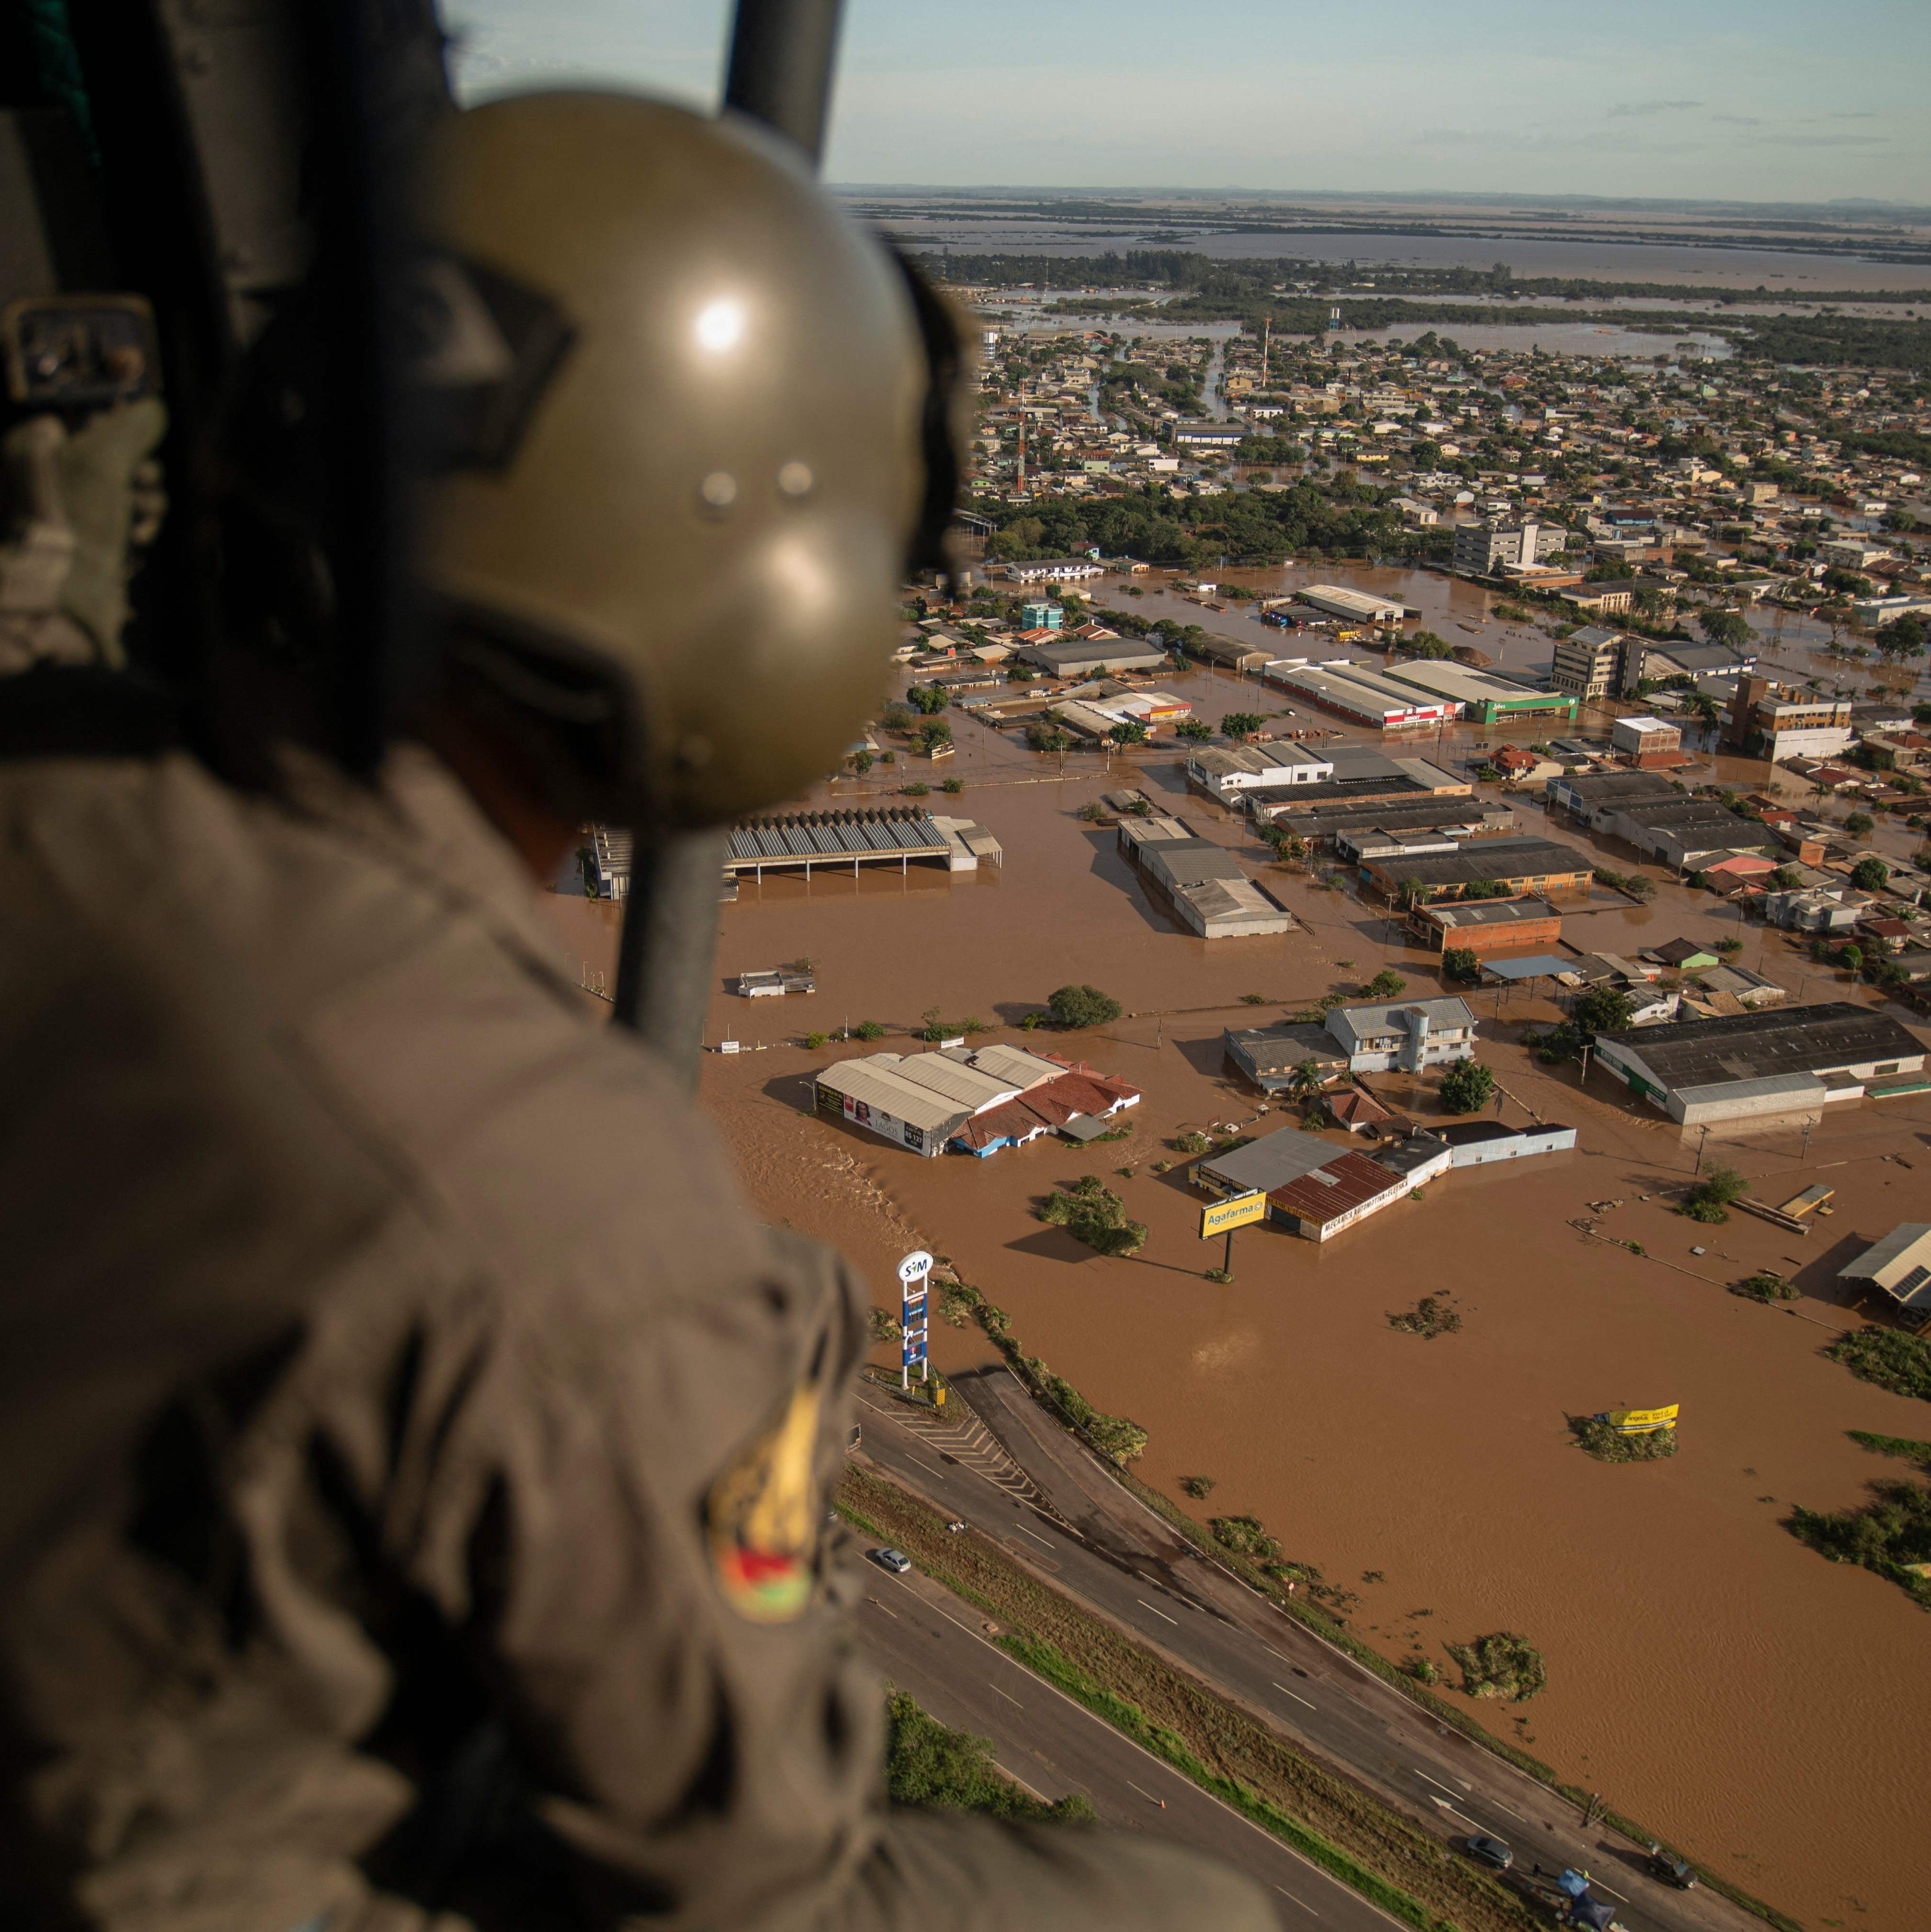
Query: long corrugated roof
{"x": 1757, "y": 1046}
{"x": 880, "y": 1088}
{"x": 812, "y": 835}
{"x": 1352, "y": 1181}
{"x": 940, "y": 1073}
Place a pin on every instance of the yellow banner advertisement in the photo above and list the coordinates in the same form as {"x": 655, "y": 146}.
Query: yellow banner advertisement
{"x": 1635, "y": 1421}
{"x": 1236, "y": 1211}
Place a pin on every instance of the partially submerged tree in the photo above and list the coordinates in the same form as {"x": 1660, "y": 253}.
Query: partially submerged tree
{"x": 1467, "y": 1086}
{"x": 1082, "y": 1006}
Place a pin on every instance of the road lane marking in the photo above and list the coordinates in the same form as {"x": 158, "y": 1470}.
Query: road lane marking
{"x": 1463, "y": 1816}
{"x": 1134, "y": 1744}
{"x": 1516, "y": 1815}
{"x": 877, "y": 1605}
{"x": 1609, "y": 1888}
{"x": 997, "y": 1693}
{"x": 1033, "y": 1534}
{"x": 1301, "y": 1902}
{"x": 1295, "y": 1694}
{"x": 1145, "y": 1606}
{"x": 923, "y": 1464}
{"x": 1435, "y": 1781}
{"x": 1149, "y": 1796}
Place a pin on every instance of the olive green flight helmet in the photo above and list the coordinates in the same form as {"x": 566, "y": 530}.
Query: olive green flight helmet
{"x": 683, "y": 407}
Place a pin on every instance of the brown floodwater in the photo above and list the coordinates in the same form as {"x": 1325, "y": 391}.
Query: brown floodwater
{"x": 1709, "y": 1674}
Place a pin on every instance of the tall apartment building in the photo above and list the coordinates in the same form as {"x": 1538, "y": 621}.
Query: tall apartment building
{"x": 1770, "y": 721}
{"x": 1586, "y": 663}
{"x": 1482, "y": 549}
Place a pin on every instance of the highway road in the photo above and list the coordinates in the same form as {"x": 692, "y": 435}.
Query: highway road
{"x": 1029, "y": 1485}
{"x": 925, "y": 1640}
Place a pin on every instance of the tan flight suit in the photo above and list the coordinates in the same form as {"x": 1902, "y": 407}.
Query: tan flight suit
{"x": 413, "y": 1452}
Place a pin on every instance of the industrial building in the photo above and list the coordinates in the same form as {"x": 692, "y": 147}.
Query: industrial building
{"x": 1342, "y": 1191}
{"x": 1520, "y": 866}
{"x": 1763, "y": 1065}
{"x": 1490, "y": 929}
{"x": 976, "y": 1101}
{"x": 1480, "y": 693}
{"x": 1363, "y": 696}
{"x": 806, "y": 841}
{"x": 1054, "y": 570}
{"x": 1658, "y": 817}
{"x": 1086, "y": 657}
{"x": 1421, "y": 815}
{"x": 1478, "y": 1143}
{"x": 1208, "y": 890}
{"x": 1644, "y": 742}
{"x": 1362, "y": 776}
{"x": 1221, "y": 771}
{"x": 1358, "y": 607}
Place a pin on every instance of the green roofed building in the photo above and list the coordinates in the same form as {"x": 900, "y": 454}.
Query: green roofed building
{"x": 1482, "y": 695}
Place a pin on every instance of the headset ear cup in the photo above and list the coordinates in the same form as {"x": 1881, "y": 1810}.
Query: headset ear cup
{"x": 944, "y": 421}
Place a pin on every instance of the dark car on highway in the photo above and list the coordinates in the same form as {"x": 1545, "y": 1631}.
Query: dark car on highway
{"x": 1671, "y": 1869}
{"x": 1490, "y": 1851}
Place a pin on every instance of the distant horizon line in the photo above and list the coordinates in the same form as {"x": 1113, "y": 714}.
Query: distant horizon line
{"x": 1488, "y": 197}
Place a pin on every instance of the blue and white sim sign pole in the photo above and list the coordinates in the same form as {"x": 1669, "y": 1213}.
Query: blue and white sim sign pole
{"x": 914, "y": 1277}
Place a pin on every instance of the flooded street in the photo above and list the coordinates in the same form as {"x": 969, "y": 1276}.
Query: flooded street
{"x": 1710, "y": 1676}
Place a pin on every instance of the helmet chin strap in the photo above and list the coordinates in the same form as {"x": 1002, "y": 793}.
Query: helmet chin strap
{"x": 782, "y": 55}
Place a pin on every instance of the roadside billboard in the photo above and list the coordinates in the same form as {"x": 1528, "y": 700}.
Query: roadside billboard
{"x": 1223, "y": 1217}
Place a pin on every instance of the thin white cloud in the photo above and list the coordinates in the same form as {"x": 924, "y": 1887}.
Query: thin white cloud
{"x": 1624, "y": 109}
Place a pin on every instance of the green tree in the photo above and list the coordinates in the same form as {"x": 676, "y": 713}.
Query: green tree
{"x": 1729, "y": 628}
{"x": 1467, "y": 1086}
{"x": 1072, "y": 1006}
{"x": 1045, "y": 737}
{"x": 1905, "y": 637}
{"x": 1306, "y": 1080}
{"x": 1461, "y": 962}
{"x": 1238, "y": 724}
{"x": 862, "y": 762}
{"x": 934, "y": 733}
{"x": 1603, "y": 1009}
{"x": 1710, "y": 1199}
{"x": 1128, "y": 731}
{"x": 1860, "y": 825}
{"x": 1385, "y": 985}
{"x": 1194, "y": 731}
{"x": 1426, "y": 644}
{"x": 1870, "y": 874}
{"x": 929, "y": 698}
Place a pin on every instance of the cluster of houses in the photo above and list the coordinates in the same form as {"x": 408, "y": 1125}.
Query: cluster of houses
{"x": 972, "y": 1100}
{"x": 1317, "y": 1190}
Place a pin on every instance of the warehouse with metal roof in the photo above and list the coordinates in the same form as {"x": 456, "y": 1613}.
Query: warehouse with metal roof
{"x": 1741, "y": 1064}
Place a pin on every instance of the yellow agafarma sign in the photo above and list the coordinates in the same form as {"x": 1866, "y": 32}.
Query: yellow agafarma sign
{"x": 1236, "y": 1211}
{"x": 1640, "y": 1421}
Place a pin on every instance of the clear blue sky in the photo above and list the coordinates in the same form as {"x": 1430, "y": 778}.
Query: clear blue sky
{"x": 1766, "y": 101}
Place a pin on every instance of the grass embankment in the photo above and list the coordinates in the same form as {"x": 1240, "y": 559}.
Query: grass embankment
{"x": 1120, "y": 1441}
{"x": 937, "y": 1768}
{"x": 1341, "y": 1826}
